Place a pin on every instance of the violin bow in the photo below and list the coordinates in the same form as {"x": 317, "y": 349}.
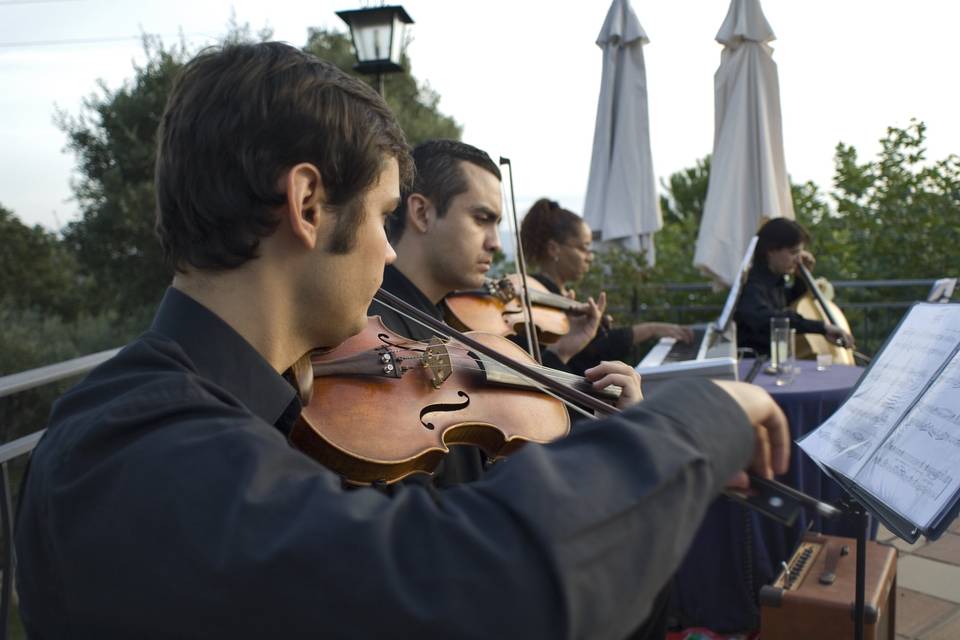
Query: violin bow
{"x": 573, "y": 397}
{"x": 533, "y": 344}
{"x": 567, "y": 394}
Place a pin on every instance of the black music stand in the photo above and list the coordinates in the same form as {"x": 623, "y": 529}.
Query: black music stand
{"x": 851, "y": 507}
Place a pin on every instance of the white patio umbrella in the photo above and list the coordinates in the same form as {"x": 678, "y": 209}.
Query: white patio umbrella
{"x": 748, "y": 175}
{"x": 621, "y": 202}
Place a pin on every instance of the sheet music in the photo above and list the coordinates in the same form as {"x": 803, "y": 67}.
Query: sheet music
{"x": 915, "y": 472}
{"x": 925, "y": 340}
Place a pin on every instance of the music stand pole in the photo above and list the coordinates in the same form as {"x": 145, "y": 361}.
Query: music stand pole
{"x": 863, "y": 524}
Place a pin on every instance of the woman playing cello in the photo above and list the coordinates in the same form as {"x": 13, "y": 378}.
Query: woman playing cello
{"x": 779, "y": 253}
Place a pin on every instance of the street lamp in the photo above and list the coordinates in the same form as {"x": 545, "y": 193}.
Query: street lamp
{"x": 378, "y": 38}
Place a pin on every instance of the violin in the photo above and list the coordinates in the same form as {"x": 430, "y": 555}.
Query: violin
{"x": 363, "y": 452}
{"x": 816, "y": 306}
{"x": 497, "y": 309}
{"x": 432, "y": 394}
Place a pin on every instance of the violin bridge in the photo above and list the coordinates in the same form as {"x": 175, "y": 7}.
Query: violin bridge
{"x": 436, "y": 359}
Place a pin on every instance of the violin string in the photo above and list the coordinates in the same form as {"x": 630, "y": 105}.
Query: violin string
{"x": 560, "y": 376}
{"x": 557, "y": 375}
{"x": 467, "y": 363}
{"x": 530, "y": 381}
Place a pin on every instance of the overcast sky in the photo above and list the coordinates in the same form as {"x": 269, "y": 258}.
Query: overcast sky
{"x": 522, "y": 76}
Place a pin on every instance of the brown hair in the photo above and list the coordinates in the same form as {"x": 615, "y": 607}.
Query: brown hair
{"x": 778, "y": 233}
{"x": 439, "y": 177}
{"x": 545, "y": 221}
{"x": 237, "y": 118}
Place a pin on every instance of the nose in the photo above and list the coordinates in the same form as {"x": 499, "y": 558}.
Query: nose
{"x": 492, "y": 240}
{"x": 389, "y": 255}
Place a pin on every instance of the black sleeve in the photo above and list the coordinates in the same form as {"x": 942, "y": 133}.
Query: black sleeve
{"x": 610, "y": 344}
{"x": 797, "y": 321}
{"x": 754, "y": 310}
{"x": 796, "y": 291}
{"x": 568, "y": 540}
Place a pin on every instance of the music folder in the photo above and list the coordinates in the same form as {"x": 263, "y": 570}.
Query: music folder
{"x": 894, "y": 444}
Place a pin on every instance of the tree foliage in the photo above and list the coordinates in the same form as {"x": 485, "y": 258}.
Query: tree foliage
{"x": 114, "y": 140}
{"x": 36, "y": 271}
{"x": 897, "y": 216}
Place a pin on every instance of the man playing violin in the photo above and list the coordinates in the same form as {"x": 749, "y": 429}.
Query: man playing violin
{"x": 165, "y": 500}
{"x": 445, "y": 233}
{"x": 780, "y": 250}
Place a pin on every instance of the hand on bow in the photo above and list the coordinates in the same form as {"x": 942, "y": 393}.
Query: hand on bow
{"x": 620, "y": 374}
{"x": 771, "y": 454}
{"x": 836, "y": 335}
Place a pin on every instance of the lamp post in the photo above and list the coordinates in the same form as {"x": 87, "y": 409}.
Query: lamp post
{"x": 378, "y": 38}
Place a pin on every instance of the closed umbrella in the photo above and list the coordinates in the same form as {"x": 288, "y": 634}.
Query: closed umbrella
{"x": 621, "y": 203}
{"x": 748, "y": 176}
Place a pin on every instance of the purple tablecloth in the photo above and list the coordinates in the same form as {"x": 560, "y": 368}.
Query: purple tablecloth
{"x": 736, "y": 551}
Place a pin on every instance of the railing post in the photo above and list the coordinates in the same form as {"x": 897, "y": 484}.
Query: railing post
{"x": 6, "y": 513}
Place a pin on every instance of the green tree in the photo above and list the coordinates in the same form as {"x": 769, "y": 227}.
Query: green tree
{"x": 895, "y": 217}
{"x": 631, "y": 285}
{"x": 36, "y": 271}
{"x": 682, "y": 207}
{"x": 114, "y": 140}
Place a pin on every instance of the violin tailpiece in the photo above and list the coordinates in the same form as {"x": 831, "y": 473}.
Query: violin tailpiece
{"x": 436, "y": 359}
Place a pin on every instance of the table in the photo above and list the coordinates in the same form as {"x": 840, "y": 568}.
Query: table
{"x": 736, "y": 550}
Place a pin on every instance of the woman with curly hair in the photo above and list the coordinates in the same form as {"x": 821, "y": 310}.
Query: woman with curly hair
{"x": 557, "y": 243}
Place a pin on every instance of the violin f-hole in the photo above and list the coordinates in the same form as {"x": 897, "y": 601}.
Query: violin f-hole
{"x": 445, "y": 406}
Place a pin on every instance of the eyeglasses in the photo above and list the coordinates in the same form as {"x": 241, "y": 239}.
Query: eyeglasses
{"x": 582, "y": 248}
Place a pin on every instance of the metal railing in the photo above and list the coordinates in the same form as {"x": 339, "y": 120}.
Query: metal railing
{"x": 9, "y": 385}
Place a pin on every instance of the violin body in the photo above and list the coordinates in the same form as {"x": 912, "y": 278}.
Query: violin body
{"x": 817, "y": 306}
{"x": 384, "y": 407}
{"x": 497, "y": 309}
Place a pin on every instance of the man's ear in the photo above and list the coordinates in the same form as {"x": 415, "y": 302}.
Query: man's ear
{"x": 420, "y": 212}
{"x": 303, "y": 210}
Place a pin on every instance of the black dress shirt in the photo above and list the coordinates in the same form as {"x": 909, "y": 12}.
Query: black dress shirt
{"x": 765, "y": 295}
{"x": 165, "y": 502}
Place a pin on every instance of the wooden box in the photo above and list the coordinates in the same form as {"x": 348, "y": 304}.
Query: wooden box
{"x": 814, "y": 595}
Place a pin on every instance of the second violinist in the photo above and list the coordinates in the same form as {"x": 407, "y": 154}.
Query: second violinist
{"x": 445, "y": 233}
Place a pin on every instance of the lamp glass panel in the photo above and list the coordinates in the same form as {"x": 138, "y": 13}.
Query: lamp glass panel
{"x": 372, "y": 39}
{"x": 399, "y": 32}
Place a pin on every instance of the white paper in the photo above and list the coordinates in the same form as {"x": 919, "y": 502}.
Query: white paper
{"x": 917, "y": 470}
{"x": 923, "y": 343}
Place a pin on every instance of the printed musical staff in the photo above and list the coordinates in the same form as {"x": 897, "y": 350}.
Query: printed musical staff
{"x": 898, "y": 435}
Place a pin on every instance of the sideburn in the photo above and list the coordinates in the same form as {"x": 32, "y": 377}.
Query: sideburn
{"x": 349, "y": 218}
